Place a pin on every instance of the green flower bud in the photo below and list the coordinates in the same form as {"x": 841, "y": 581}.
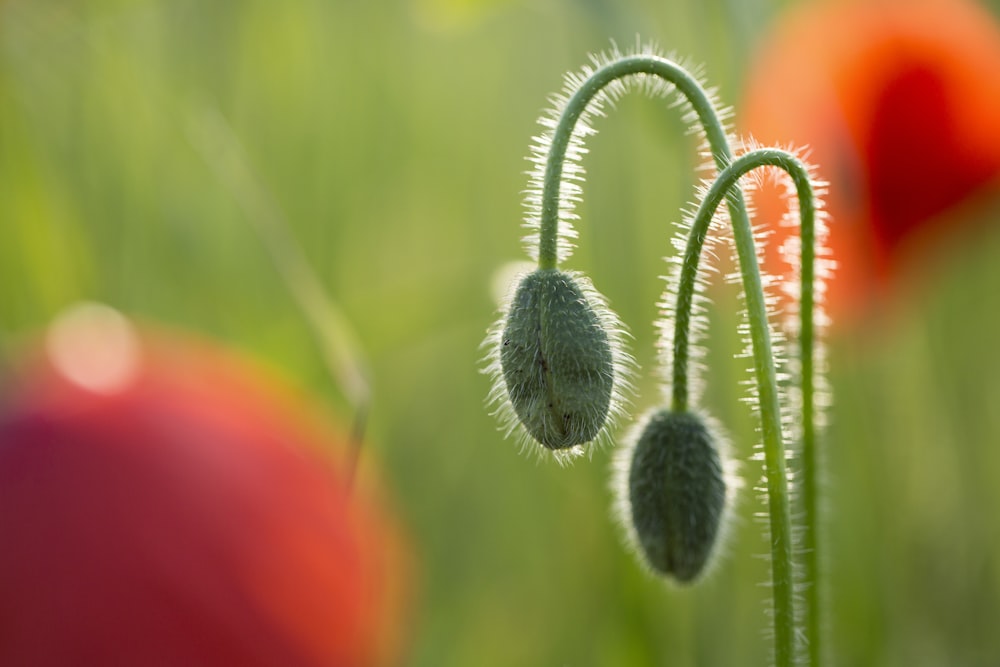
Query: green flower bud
{"x": 673, "y": 492}
{"x": 556, "y": 359}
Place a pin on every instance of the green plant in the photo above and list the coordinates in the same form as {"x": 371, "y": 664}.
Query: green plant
{"x": 560, "y": 371}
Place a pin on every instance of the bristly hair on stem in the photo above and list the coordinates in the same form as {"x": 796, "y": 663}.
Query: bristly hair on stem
{"x": 773, "y": 373}
{"x": 565, "y": 139}
{"x": 557, "y": 173}
{"x": 558, "y": 372}
{"x": 808, "y": 392}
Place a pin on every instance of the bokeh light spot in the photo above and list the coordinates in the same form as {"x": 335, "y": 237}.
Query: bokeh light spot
{"x": 95, "y": 347}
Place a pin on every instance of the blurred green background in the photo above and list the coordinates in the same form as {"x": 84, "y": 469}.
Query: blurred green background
{"x": 392, "y": 135}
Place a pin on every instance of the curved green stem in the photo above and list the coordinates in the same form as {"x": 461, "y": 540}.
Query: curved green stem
{"x": 718, "y": 142}
{"x": 774, "y": 453}
{"x": 653, "y": 65}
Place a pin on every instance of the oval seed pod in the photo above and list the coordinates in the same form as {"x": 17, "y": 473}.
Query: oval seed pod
{"x": 556, "y": 360}
{"x": 673, "y": 493}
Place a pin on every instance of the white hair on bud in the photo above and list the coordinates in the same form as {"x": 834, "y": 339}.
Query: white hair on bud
{"x": 622, "y": 511}
{"x": 622, "y": 365}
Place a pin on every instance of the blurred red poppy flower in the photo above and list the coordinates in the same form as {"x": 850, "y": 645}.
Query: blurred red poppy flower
{"x": 162, "y": 502}
{"x": 897, "y": 102}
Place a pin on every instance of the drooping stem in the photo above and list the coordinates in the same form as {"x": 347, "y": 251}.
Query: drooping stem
{"x": 649, "y": 64}
{"x": 698, "y": 98}
{"x": 774, "y": 451}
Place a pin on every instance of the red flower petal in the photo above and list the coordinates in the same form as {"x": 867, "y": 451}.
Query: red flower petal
{"x": 189, "y": 517}
{"x": 897, "y": 102}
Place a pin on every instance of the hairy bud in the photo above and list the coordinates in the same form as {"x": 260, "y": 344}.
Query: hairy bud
{"x": 673, "y": 492}
{"x": 556, "y": 360}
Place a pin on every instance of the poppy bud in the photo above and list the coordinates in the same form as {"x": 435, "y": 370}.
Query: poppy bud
{"x": 556, "y": 360}
{"x": 673, "y": 493}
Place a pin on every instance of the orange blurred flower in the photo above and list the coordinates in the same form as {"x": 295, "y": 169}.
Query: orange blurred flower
{"x": 164, "y": 503}
{"x": 898, "y": 103}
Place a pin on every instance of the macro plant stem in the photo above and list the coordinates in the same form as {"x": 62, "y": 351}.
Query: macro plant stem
{"x": 625, "y": 66}
{"x": 726, "y": 186}
{"x": 770, "y": 413}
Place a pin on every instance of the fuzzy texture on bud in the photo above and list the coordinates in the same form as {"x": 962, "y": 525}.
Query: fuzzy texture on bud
{"x": 556, "y": 360}
{"x": 673, "y": 492}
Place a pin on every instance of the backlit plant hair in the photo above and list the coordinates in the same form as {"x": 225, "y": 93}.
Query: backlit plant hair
{"x": 560, "y": 371}
{"x": 786, "y": 412}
